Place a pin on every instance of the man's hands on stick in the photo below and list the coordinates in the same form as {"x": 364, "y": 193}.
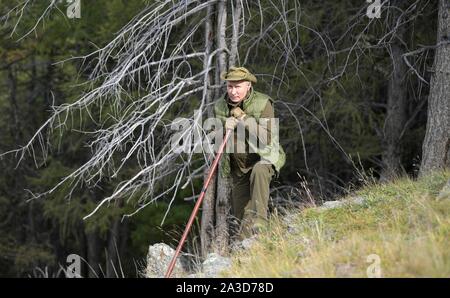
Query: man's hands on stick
{"x": 237, "y": 115}
{"x": 231, "y": 123}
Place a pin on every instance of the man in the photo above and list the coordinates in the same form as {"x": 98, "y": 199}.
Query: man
{"x": 253, "y": 168}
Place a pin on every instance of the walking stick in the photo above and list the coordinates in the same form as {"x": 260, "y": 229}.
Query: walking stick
{"x": 197, "y": 205}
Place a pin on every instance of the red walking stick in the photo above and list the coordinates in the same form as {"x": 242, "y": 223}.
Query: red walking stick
{"x": 197, "y": 205}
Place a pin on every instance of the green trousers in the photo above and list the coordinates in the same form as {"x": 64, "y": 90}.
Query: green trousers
{"x": 250, "y": 199}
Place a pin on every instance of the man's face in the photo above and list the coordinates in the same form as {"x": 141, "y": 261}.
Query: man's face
{"x": 237, "y": 90}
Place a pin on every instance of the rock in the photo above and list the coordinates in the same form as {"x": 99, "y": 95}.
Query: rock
{"x": 337, "y": 204}
{"x": 160, "y": 255}
{"x": 331, "y": 205}
{"x": 214, "y": 264}
{"x": 158, "y": 260}
{"x": 445, "y": 192}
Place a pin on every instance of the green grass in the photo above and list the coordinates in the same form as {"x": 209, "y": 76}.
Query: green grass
{"x": 402, "y": 223}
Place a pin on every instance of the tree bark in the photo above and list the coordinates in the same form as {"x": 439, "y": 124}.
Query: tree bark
{"x": 12, "y": 84}
{"x": 436, "y": 145}
{"x": 221, "y": 43}
{"x": 208, "y": 46}
{"x": 94, "y": 244}
{"x": 237, "y": 11}
{"x": 222, "y": 214}
{"x": 207, "y": 222}
{"x": 124, "y": 238}
{"x": 396, "y": 113}
{"x": 112, "y": 257}
{"x": 223, "y": 184}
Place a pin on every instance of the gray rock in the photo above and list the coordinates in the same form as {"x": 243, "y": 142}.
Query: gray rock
{"x": 337, "y": 204}
{"x": 214, "y": 265}
{"x": 331, "y": 205}
{"x": 158, "y": 260}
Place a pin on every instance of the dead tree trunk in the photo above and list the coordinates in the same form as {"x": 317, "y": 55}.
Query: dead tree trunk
{"x": 223, "y": 184}
{"x": 436, "y": 145}
{"x": 207, "y": 222}
{"x": 234, "y": 55}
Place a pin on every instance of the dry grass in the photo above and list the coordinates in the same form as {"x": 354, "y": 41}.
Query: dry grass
{"x": 401, "y": 229}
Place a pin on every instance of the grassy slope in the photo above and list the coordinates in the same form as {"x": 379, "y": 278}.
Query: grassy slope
{"x": 402, "y": 222}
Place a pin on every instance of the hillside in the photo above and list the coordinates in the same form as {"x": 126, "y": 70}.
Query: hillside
{"x": 399, "y": 229}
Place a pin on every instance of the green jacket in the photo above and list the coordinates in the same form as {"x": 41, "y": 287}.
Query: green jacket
{"x": 253, "y": 106}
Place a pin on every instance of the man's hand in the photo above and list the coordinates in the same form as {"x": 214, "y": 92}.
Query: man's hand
{"x": 231, "y": 123}
{"x": 238, "y": 113}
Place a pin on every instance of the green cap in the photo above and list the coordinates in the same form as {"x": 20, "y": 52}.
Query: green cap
{"x": 238, "y": 74}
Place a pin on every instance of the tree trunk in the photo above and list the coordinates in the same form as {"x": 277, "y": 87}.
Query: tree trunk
{"x": 94, "y": 245}
{"x": 223, "y": 185}
{"x": 237, "y": 11}
{"x": 436, "y": 145}
{"x": 396, "y": 113}
{"x": 221, "y": 43}
{"x": 124, "y": 241}
{"x": 222, "y": 214}
{"x": 12, "y": 85}
{"x": 112, "y": 257}
{"x": 208, "y": 46}
{"x": 207, "y": 222}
